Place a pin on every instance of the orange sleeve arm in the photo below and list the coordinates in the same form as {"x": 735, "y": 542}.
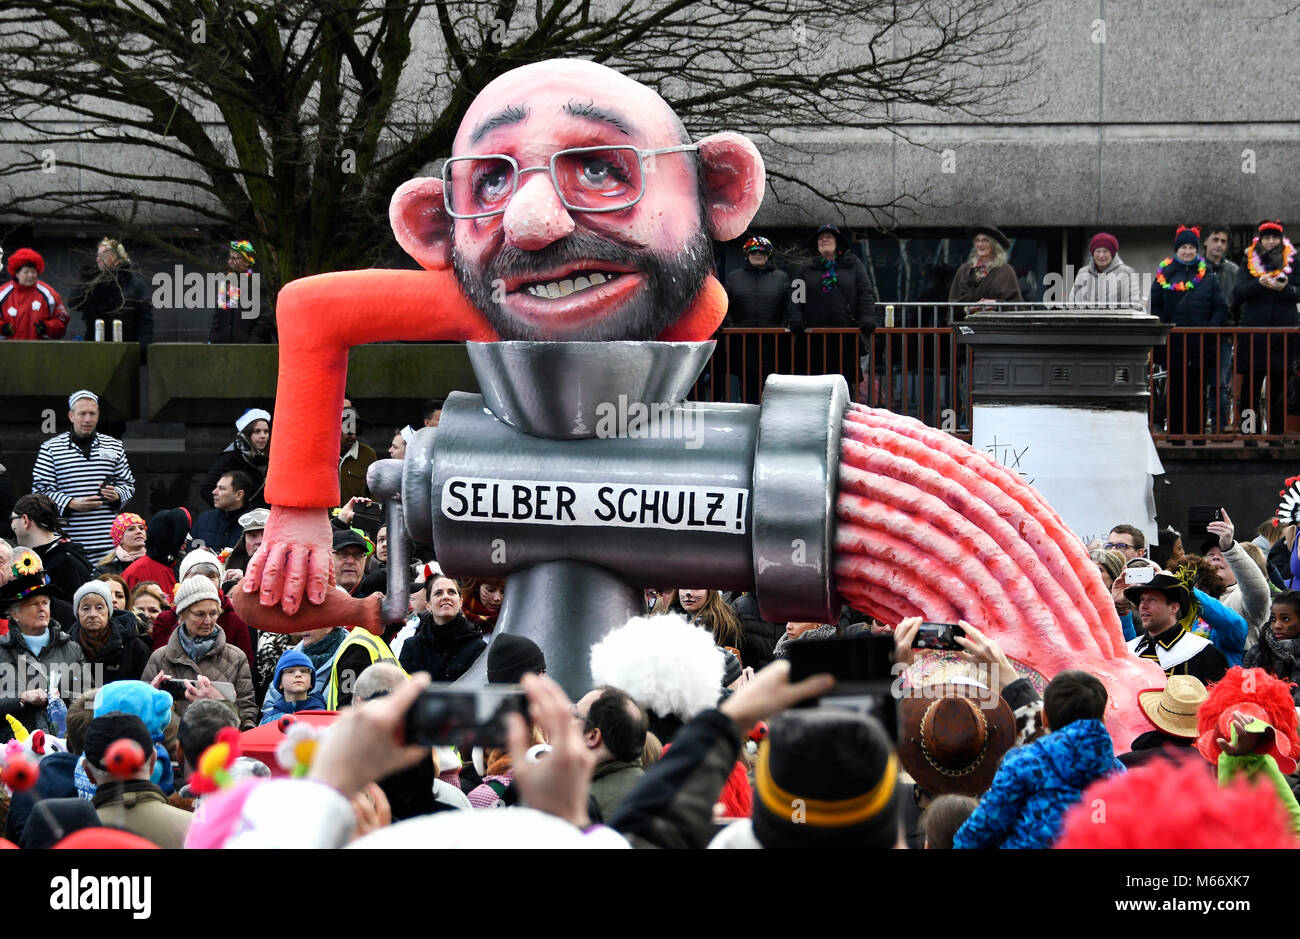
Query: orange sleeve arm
{"x": 320, "y": 318}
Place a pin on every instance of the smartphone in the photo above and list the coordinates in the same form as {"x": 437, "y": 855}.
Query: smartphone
{"x": 939, "y": 637}
{"x": 445, "y": 715}
{"x": 857, "y": 660}
{"x": 1139, "y": 575}
{"x": 175, "y": 687}
{"x": 368, "y": 516}
{"x": 1198, "y": 518}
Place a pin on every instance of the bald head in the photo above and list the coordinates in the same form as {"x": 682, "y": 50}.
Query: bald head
{"x": 575, "y": 206}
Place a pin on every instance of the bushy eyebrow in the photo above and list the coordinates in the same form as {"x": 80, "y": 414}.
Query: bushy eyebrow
{"x": 510, "y": 115}
{"x": 589, "y": 109}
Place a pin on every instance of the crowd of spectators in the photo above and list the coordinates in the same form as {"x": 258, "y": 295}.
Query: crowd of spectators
{"x": 684, "y": 739}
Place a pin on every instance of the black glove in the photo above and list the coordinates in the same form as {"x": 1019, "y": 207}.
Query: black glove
{"x": 7, "y": 329}
{"x": 40, "y": 328}
{"x": 796, "y": 327}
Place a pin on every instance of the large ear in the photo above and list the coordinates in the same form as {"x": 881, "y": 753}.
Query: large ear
{"x": 420, "y": 222}
{"x": 734, "y": 180}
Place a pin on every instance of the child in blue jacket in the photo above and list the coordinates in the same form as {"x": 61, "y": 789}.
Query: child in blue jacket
{"x": 1038, "y": 783}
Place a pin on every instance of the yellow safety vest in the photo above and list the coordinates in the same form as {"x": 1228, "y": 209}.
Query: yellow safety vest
{"x": 379, "y": 652}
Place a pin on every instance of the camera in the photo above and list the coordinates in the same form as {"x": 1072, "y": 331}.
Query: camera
{"x": 445, "y": 715}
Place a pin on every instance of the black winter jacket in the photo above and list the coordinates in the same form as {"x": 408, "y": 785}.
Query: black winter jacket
{"x": 123, "y": 656}
{"x": 850, "y": 301}
{"x": 218, "y": 529}
{"x": 67, "y": 565}
{"x": 123, "y": 295}
{"x": 758, "y": 297}
{"x": 760, "y": 636}
{"x": 446, "y": 652}
{"x": 1260, "y": 306}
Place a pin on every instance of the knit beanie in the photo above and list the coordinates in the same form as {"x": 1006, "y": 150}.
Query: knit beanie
{"x": 511, "y": 657}
{"x": 1104, "y": 240}
{"x": 1187, "y": 236}
{"x": 194, "y": 558}
{"x": 190, "y": 592}
{"x": 122, "y": 523}
{"x": 89, "y": 587}
{"x": 826, "y": 779}
{"x": 1273, "y": 226}
{"x": 290, "y": 659}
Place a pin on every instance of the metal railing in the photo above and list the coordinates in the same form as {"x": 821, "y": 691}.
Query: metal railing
{"x": 1230, "y": 385}
{"x": 1226, "y": 384}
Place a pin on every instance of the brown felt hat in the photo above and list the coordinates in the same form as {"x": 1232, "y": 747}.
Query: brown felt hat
{"x": 952, "y": 737}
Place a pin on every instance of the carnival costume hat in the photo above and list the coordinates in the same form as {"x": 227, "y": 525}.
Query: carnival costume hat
{"x": 826, "y": 778}
{"x": 246, "y": 249}
{"x": 28, "y": 580}
{"x": 1175, "y": 804}
{"x": 951, "y": 740}
{"x": 1260, "y": 697}
{"x": 24, "y": 257}
{"x": 1187, "y": 236}
{"x": 842, "y": 242}
{"x": 993, "y": 232}
{"x": 756, "y": 245}
{"x": 1174, "y": 707}
{"x": 1271, "y": 225}
{"x": 249, "y": 416}
{"x": 668, "y": 666}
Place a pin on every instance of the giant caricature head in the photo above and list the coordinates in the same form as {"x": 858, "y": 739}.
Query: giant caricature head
{"x": 535, "y": 259}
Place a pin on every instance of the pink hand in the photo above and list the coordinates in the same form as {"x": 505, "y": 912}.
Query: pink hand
{"x": 297, "y": 543}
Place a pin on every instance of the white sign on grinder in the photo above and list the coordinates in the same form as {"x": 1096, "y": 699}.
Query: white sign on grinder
{"x": 635, "y": 505}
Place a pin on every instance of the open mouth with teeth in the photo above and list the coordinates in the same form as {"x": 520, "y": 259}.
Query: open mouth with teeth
{"x": 555, "y": 289}
{"x": 569, "y": 299}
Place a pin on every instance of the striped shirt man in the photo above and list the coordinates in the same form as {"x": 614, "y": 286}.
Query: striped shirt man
{"x": 65, "y": 471}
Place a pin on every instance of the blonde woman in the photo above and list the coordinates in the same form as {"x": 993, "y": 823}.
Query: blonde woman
{"x": 986, "y": 276}
{"x": 110, "y": 290}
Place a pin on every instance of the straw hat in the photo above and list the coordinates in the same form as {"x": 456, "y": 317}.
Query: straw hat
{"x": 1173, "y": 708}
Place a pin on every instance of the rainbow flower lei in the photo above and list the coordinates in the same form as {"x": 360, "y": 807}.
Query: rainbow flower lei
{"x": 1252, "y": 262}
{"x": 1182, "y": 285}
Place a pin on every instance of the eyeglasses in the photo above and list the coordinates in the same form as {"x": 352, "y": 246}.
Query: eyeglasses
{"x": 587, "y": 179}
{"x": 579, "y": 716}
{"x": 205, "y": 616}
{"x": 1117, "y": 546}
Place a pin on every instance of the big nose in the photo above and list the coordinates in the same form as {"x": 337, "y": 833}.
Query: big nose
{"x": 535, "y": 216}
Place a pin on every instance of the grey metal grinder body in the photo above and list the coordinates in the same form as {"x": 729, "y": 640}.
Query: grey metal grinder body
{"x": 582, "y": 476}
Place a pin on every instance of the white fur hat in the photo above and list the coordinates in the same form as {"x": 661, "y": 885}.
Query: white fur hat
{"x": 663, "y": 662}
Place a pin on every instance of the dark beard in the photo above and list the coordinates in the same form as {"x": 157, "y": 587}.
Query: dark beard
{"x": 671, "y": 284}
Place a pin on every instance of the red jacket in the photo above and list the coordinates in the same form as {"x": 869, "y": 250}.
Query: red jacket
{"x": 146, "y": 569}
{"x": 21, "y": 308}
{"x": 236, "y": 629}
